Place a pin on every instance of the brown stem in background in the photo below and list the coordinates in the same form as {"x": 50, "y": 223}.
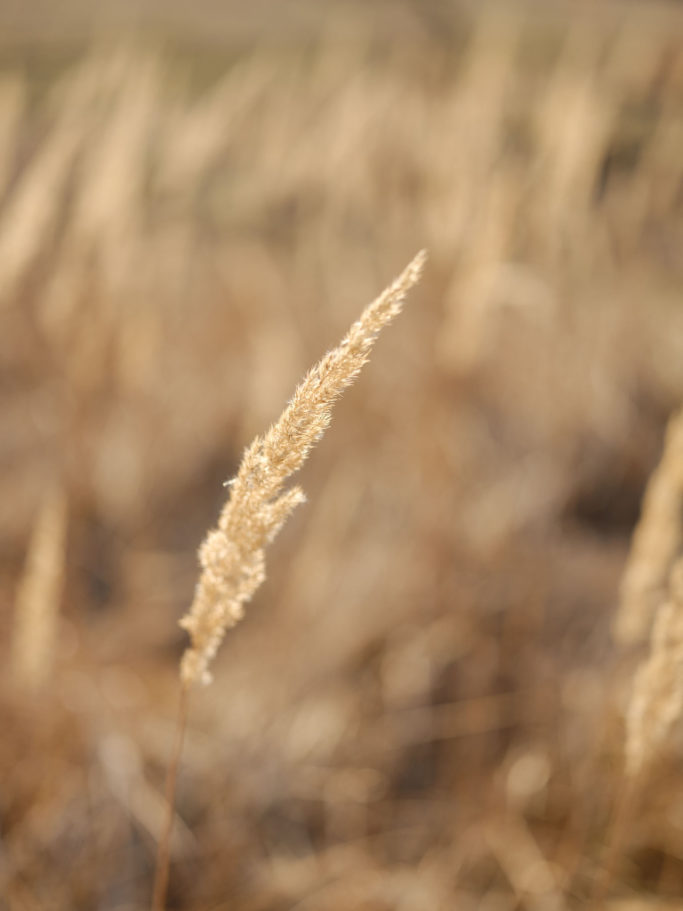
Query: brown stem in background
{"x": 624, "y": 809}
{"x": 164, "y": 849}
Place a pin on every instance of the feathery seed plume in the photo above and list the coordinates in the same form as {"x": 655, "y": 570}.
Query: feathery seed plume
{"x": 232, "y": 556}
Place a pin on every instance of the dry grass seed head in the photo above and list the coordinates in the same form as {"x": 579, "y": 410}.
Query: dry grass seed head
{"x": 232, "y": 556}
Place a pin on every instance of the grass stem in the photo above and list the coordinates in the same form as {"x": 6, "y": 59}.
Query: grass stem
{"x": 163, "y": 858}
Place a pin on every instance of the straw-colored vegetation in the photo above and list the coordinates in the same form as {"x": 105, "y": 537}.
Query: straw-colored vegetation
{"x": 233, "y": 554}
{"x": 424, "y": 707}
{"x": 657, "y": 541}
{"x": 657, "y": 700}
{"x": 38, "y": 596}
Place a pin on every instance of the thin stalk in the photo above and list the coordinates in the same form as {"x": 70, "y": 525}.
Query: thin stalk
{"x": 163, "y": 859}
{"x": 624, "y": 810}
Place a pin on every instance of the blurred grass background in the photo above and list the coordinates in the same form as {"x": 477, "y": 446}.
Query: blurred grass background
{"x": 422, "y": 708}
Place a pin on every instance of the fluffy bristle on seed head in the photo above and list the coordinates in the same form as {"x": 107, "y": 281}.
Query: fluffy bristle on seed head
{"x": 232, "y": 556}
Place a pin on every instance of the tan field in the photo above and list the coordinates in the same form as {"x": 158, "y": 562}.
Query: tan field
{"x": 459, "y": 687}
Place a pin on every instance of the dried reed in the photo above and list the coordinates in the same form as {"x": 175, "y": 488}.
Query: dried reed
{"x": 657, "y": 698}
{"x": 39, "y": 593}
{"x": 657, "y": 541}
